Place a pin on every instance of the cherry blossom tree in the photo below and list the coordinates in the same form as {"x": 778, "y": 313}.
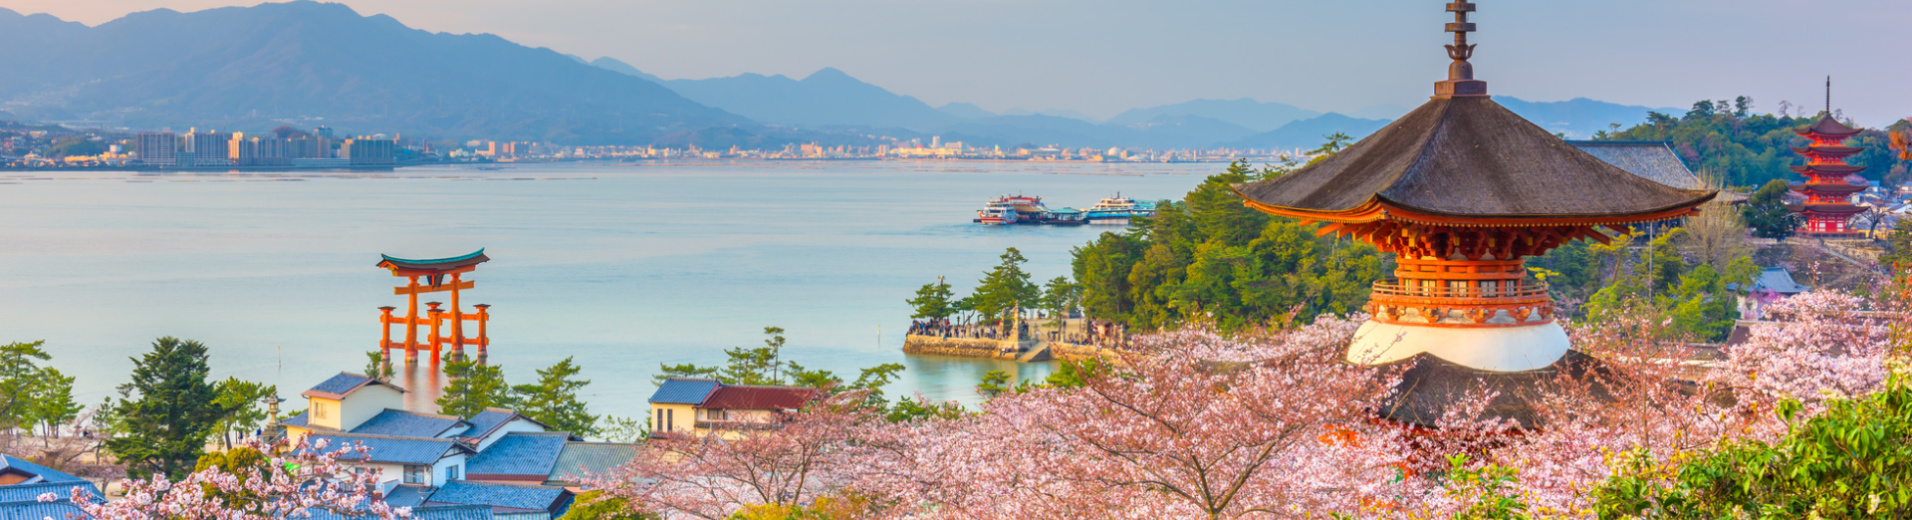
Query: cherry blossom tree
{"x": 791, "y": 462}
{"x": 305, "y": 480}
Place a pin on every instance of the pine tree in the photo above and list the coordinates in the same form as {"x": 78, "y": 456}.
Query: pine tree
{"x": 1006, "y": 287}
{"x": 164, "y": 429}
{"x": 933, "y": 301}
{"x": 553, "y": 400}
{"x": 473, "y": 388}
{"x": 1766, "y": 212}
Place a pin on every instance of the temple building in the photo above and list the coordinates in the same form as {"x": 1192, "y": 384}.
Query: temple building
{"x": 1828, "y": 208}
{"x": 1461, "y": 190}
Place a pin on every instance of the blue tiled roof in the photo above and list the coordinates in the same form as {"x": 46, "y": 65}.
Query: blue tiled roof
{"x": 340, "y": 384}
{"x": 583, "y": 459}
{"x": 487, "y": 420}
{"x": 34, "y": 510}
{"x": 44, "y": 474}
{"x": 502, "y": 495}
{"x": 297, "y": 420}
{"x": 684, "y": 391}
{"x": 400, "y": 423}
{"x": 398, "y": 450}
{"x": 455, "y": 512}
{"x": 519, "y": 453}
{"x": 408, "y": 495}
{"x": 32, "y": 492}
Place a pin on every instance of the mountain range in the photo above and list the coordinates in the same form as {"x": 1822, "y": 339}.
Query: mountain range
{"x": 307, "y": 63}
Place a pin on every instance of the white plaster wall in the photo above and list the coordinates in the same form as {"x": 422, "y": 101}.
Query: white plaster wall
{"x": 367, "y": 402}
{"x": 1497, "y": 349}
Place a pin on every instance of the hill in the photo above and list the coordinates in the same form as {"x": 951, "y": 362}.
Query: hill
{"x": 1579, "y": 118}
{"x": 1309, "y": 133}
{"x": 308, "y": 63}
{"x": 1246, "y": 113}
{"x": 826, "y": 98}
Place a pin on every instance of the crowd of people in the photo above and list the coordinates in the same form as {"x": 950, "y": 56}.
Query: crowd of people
{"x": 1092, "y": 332}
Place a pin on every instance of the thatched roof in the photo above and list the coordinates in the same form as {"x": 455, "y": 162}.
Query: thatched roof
{"x": 1470, "y": 157}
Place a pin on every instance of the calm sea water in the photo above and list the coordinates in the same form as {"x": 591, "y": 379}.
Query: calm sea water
{"x": 622, "y": 267}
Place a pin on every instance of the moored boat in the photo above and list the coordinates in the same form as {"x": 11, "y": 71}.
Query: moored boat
{"x": 1117, "y": 210}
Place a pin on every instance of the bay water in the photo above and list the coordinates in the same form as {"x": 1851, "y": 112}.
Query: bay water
{"x": 621, "y": 267}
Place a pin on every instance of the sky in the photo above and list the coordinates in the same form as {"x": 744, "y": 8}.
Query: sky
{"x": 1100, "y": 57}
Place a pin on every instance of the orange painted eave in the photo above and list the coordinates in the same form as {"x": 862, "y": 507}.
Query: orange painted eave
{"x": 1377, "y": 209}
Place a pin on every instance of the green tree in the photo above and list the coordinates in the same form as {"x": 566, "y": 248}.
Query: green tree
{"x": 1898, "y": 250}
{"x": 1210, "y": 258}
{"x": 1848, "y": 462}
{"x": 53, "y": 403}
{"x": 1336, "y": 142}
{"x": 377, "y": 367}
{"x": 553, "y": 400}
{"x": 1005, "y": 288}
{"x": 595, "y": 505}
{"x": 20, "y": 381}
{"x": 239, "y": 401}
{"x": 474, "y": 387}
{"x": 685, "y": 370}
{"x": 933, "y": 301}
{"x": 164, "y": 429}
{"x": 1059, "y": 297}
{"x": 1766, "y": 212}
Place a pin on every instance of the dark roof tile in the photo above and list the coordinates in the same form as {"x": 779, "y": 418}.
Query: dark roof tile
{"x": 519, "y": 453}
{"x": 501, "y": 495}
{"x": 401, "y": 423}
{"x": 684, "y": 391}
{"x": 397, "y": 450}
{"x": 730, "y": 397}
{"x": 1470, "y": 157}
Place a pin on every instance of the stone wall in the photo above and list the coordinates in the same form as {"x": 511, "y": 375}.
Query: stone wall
{"x": 965, "y": 347}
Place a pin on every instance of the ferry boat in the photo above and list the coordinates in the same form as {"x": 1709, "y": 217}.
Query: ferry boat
{"x": 997, "y": 213}
{"x": 1016, "y": 209}
{"x": 1117, "y": 210}
{"x": 1066, "y": 217}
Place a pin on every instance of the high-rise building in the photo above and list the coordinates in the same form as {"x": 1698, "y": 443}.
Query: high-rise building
{"x": 365, "y": 151}
{"x": 208, "y": 148}
{"x": 158, "y": 148}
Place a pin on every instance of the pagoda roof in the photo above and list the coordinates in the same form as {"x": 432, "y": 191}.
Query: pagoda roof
{"x": 1828, "y": 169}
{"x": 436, "y": 264}
{"x": 1654, "y": 160}
{"x": 1468, "y": 158}
{"x": 1841, "y": 188}
{"x": 1828, "y": 126}
{"x": 1834, "y": 151}
{"x": 1828, "y": 209}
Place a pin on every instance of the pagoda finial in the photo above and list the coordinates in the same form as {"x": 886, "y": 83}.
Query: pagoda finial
{"x": 1460, "y": 75}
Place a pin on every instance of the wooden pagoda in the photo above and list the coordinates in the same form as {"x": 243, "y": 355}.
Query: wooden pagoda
{"x": 1828, "y": 207}
{"x": 1461, "y": 190}
{"x": 443, "y": 327}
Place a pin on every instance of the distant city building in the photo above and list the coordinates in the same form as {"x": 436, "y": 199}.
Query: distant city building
{"x": 207, "y": 149}
{"x": 365, "y": 151}
{"x": 158, "y": 148}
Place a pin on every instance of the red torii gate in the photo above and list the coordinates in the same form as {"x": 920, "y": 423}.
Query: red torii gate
{"x": 435, "y": 274}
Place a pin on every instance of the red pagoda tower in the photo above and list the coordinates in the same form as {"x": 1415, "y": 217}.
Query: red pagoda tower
{"x": 1828, "y": 205}
{"x": 1461, "y": 190}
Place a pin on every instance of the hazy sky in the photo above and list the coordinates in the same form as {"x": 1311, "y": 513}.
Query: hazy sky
{"x": 1103, "y": 56}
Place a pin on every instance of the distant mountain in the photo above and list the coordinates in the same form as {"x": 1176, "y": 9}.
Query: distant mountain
{"x": 1381, "y": 111}
{"x": 1579, "y": 118}
{"x": 1310, "y": 133}
{"x": 1246, "y": 113}
{"x": 965, "y": 111}
{"x": 826, "y": 98}
{"x": 252, "y": 68}
{"x": 1185, "y": 131}
{"x": 1053, "y": 112}
{"x": 611, "y": 64}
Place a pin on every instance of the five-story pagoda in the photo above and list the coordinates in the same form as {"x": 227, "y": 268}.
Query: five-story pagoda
{"x": 1828, "y": 207}
{"x": 1461, "y": 190}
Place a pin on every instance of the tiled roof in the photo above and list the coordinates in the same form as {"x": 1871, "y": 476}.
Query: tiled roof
{"x": 397, "y": 450}
{"x": 1654, "y": 160}
{"x": 408, "y": 495}
{"x": 447, "y": 512}
{"x": 760, "y": 397}
{"x": 1779, "y": 280}
{"x": 501, "y": 495}
{"x": 684, "y": 391}
{"x": 340, "y": 385}
{"x": 400, "y": 423}
{"x": 519, "y": 453}
{"x": 298, "y": 420}
{"x": 35, "y": 510}
{"x": 42, "y": 474}
{"x": 484, "y": 422}
{"x": 583, "y": 459}
{"x": 31, "y": 492}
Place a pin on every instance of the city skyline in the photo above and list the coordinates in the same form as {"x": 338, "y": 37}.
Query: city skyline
{"x": 1073, "y": 55}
